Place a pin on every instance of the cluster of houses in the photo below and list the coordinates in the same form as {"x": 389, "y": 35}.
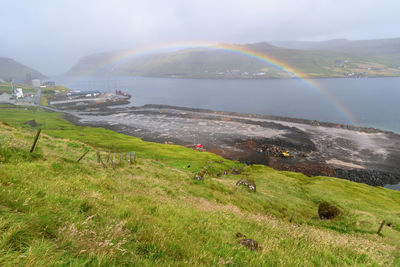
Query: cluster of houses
{"x": 357, "y": 74}
{"x": 88, "y": 99}
{"x": 238, "y": 72}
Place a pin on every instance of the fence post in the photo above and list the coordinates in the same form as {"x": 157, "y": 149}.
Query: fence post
{"x": 380, "y": 227}
{"x": 35, "y": 141}
{"x": 108, "y": 156}
{"x": 113, "y": 160}
{"x": 291, "y": 217}
{"x": 84, "y": 154}
{"x": 98, "y": 156}
{"x": 102, "y": 163}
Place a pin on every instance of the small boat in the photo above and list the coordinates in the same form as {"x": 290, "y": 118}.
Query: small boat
{"x": 121, "y": 93}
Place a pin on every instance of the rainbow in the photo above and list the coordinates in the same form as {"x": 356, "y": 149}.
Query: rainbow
{"x": 236, "y": 49}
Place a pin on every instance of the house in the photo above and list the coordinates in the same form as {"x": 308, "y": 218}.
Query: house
{"x": 18, "y": 93}
{"x": 93, "y": 93}
{"x": 49, "y": 84}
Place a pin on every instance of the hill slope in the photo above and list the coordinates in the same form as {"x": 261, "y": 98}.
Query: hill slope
{"x": 217, "y": 63}
{"x": 55, "y": 211}
{"x": 11, "y": 69}
{"x": 381, "y": 50}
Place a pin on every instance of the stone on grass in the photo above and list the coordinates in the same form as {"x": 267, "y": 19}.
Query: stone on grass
{"x": 328, "y": 211}
{"x": 32, "y": 123}
{"x": 247, "y": 182}
{"x": 199, "y": 177}
{"x": 240, "y": 235}
{"x": 250, "y": 244}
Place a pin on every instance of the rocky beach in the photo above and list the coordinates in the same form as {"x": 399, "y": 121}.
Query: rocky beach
{"x": 359, "y": 154}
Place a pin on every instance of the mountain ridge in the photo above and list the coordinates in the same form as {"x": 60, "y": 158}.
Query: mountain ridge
{"x": 349, "y": 59}
{"x": 11, "y": 69}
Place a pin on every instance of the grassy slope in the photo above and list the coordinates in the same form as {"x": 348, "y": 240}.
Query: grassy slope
{"x": 385, "y": 51}
{"x": 54, "y": 211}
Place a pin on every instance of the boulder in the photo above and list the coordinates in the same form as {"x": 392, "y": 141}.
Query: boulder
{"x": 250, "y": 244}
{"x": 328, "y": 211}
{"x": 32, "y": 123}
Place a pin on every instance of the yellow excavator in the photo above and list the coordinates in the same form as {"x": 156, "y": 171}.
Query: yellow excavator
{"x": 286, "y": 154}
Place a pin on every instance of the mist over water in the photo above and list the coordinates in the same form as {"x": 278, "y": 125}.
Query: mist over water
{"x": 363, "y": 102}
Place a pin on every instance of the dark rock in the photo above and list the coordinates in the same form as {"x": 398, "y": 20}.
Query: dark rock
{"x": 370, "y": 177}
{"x": 250, "y": 244}
{"x": 249, "y": 183}
{"x": 307, "y": 168}
{"x": 328, "y": 211}
{"x": 32, "y": 123}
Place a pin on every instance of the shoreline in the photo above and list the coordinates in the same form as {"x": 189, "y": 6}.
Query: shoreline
{"x": 226, "y": 78}
{"x": 359, "y": 154}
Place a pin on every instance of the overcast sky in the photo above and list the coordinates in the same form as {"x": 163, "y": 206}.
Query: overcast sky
{"x": 51, "y": 35}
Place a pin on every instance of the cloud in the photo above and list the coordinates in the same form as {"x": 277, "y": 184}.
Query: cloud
{"x": 52, "y": 35}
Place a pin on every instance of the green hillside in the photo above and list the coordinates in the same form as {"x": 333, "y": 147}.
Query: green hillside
{"x": 12, "y": 70}
{"x": 385, "y": 51}
{"x": 152, "y": 212}
{"x": 216, "y": 63}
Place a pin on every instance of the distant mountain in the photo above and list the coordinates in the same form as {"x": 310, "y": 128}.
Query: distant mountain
{"x": 383, "y": 50}
{"x": 336, "y": 58}
{"x": 92, "y": 63}
{"x": 13, "y": 70}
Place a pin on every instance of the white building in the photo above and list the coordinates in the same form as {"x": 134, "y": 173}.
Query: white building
{"x": 36, "y": 83}
{"x": 18, "y": 93}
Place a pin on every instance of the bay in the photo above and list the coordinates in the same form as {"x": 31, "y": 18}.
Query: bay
{"x": 368, "y": 102}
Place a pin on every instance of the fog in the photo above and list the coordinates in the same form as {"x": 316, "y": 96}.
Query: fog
{"x": 52, "y": 35}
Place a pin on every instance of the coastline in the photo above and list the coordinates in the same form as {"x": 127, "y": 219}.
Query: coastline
{"x": 68, "y": 74}
{"x": 360, "y": 154}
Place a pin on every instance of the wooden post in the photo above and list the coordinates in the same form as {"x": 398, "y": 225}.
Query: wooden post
{"x": 109, "y": 153}
{"x": 35, "y": 141}
{"x": 130, "y": 157}
{"x": 98, "y": 156}
{"x": 102, "y": 163}
{"x": 291, "y": 217}
{"x": 83, "y": 155}
{"x": 380, "y": 227}
{"x": 108, "y": 157}
{"x": 113, "y": 160}
{"x": 121, "y": 158}
{"x": 134, "y": 157}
